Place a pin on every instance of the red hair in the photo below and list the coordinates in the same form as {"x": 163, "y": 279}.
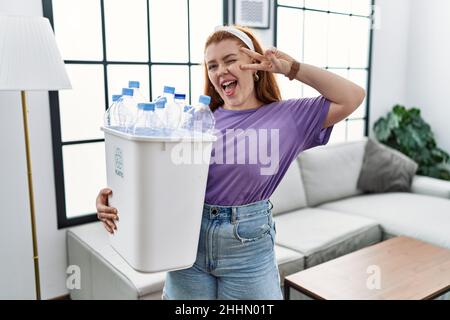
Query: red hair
{"x": 266, "y": 87}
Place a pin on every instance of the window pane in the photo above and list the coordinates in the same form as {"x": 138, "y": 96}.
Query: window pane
{"x": 355, "y": 129}
{"x": 197, "y": 83}
{"x": 202, "y": 25}
{"x": 119, "y": 75}
{"x": 360, "y": 78}
{"x": 343, "y": 6}
{"x": 289, "y": 89}
{"x": 289, "y": 32}
{"x": 316, "y": 30}
{"x": 359, "y": 44}
{"x": 292, "y": 3}
{"x": 168, "y": 30}
{"x": 126, "y": 30}
{"x": 317, "y": 4}
{"x": 338, "y": 40}
{"x": 338, "y": 133}
{"x": 78, "y": 29}
{"x": 83, "y": 107}
{"x": 362, "y": 7}
{"x": 175, "y": 76}
{"x": 84, "y": 176}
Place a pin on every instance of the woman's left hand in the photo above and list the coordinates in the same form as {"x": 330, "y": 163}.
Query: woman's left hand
{"x": 273, "y": 60}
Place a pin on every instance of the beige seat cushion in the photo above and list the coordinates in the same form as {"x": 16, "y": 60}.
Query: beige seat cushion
{"x": 289, "y": 194}
{"x": 418, "y": 216}
{"x": 321, "y": 235}
{"x": 331, "y": 172}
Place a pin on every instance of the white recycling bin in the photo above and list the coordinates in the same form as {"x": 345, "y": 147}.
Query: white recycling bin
{"x": 158, "y": 186}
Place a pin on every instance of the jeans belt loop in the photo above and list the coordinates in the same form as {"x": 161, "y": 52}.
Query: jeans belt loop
{"x": 233, "y": 215}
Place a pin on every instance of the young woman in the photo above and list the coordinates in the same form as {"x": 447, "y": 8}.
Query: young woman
{"x": 235, "y": 258}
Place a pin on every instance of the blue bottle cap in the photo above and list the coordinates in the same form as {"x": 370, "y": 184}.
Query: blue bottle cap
{"x": 133, "y": 84}
{"x": 127, "y": 92}
{"x": 180, "y": 96}
{"x": 204, "y": 99}
{"x": 168, "y": 89}
{"x": 115, "y": 97}
{"x": 161, "y": 102}
{"x": 149, "y": 106}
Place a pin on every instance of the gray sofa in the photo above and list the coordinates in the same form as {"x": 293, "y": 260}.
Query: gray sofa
{"x": 319, "y": 214}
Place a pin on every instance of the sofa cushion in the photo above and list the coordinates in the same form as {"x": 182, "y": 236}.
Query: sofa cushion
{"x": 331, "y": 172}
{"x": 289, "y": 194}
{"x": 400, "y": 213}
{"x": 321, "y": 235}
{"x": 385, "y": 169}
{"x": 104, "y": 273}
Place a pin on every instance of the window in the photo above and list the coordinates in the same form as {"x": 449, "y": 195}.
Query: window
{"x": 334, "y": 35}
{"x": 105, "y": 43}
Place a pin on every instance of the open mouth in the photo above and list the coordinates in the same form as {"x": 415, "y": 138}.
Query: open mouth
{"x": 229, "y": 87}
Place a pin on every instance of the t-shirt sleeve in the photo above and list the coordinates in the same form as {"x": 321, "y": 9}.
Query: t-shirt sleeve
{"x": 309, "y": 115}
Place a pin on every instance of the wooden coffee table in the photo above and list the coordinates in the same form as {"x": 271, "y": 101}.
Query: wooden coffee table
{"x": 400, "y": 268}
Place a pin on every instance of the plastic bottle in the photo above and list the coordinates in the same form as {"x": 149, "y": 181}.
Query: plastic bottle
{"x": 145, "y": 123}
{"x": 138, "y": 95}
{"x": 111, "y": 119}
{"x": 126, "y": 110}
{"x": 173, "y": 111}
{"x": 160, "y": 112}
{"x": 187, "y": 118}
{"x": 180, "y": 100}
{"x": 203, "y": 118}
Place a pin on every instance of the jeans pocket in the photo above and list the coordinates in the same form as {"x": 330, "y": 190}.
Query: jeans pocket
{"x": 253, "y": 228}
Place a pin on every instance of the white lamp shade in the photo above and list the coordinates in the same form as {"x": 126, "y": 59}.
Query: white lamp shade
{"x": 29, "y": 56}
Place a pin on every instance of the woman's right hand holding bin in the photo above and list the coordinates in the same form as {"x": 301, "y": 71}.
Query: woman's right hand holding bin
{"x": 108, "y": 215}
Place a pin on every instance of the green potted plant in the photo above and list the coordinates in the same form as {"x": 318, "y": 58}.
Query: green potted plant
{"x": 405, "y": 130}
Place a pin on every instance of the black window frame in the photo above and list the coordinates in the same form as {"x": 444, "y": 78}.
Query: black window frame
{"x": 58, "y": 144}
{"x": 368, "y": 69}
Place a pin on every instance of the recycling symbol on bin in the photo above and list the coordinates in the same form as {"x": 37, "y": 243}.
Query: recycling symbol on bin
{"x": 118, "y": 162}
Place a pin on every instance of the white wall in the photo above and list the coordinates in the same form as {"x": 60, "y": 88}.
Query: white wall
{"x": 389, "y": 58}
{"x": 428, "y": 71}
{"x": 17, "y": 273}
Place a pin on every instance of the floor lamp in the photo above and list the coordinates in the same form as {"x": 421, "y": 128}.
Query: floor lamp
{"x": 30, "y": 60}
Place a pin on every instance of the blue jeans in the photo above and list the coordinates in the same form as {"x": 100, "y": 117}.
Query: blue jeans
{"x": 235, "y": 257}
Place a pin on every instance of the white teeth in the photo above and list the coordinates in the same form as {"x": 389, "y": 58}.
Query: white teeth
{"x": 225, "y": 84}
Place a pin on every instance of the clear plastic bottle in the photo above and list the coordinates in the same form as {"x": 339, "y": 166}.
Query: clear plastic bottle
{"x": 160, "y": 111}
{"x": 138, "y": 95}
{"x": 203, "y": 118}
{"x": 127, "y": 110}
{"x": 145, "y": 123}
{"x": 180, "y": 100}
{"x": 187, "y": 118}
{"x": 173, "y": 111}
{"x": 111, "y": 119}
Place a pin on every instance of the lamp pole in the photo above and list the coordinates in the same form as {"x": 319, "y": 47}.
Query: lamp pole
{"x": 31, "y": 195}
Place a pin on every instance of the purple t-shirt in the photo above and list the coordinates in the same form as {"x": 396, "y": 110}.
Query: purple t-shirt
{"x": 255, "y": 147}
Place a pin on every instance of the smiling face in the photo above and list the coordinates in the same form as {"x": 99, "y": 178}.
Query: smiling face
{"x": 235, "y": 86}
